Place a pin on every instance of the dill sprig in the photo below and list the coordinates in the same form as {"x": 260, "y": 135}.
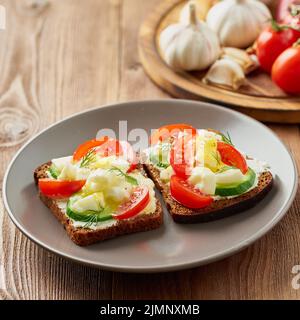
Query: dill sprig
{"x": 127, "y": 177}
{"x": 90, "y": 220}
{"x": 89, "y": 158}
{"x": 89, "y": 217}
{"x": 217, "y": 157}
{"x": 162, "y": 165}
{"x": 226, "y": 138}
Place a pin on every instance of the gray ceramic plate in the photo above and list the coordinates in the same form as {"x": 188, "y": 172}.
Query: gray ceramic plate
{"x": 173, "y": 246}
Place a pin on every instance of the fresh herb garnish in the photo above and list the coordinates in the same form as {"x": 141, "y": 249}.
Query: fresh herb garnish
{"x": 90, "y": 217}
{"x": 217, "y": 157}
{"x": 226, "y": 138}
{"x": 97, "y": 216}
{"x": 53, "y": 172}
{"x": 89, "y": 158}
{"x": 127, "y": 177}
{"x": 162, "y": 165}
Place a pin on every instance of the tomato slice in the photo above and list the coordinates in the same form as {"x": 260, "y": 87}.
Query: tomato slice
{"x": 182, "y": 156}
{"x": 232, "y": 157}
{"x": 111, "y": 147}
{"x": 187, "y": 194}
{"x": 138, "y": 202}
{"x": 59, "y": 189}
{"x": 86, "y": 146}
{"x": 171, "y": 130}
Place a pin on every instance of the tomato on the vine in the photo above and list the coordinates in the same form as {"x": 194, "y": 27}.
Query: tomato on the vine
{"x": 286, "y": 70}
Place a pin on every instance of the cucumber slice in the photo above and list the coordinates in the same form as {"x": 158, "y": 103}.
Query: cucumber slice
{"x": 53, "y": 171}
{"x": 89, "y": 216}
{"x": 236, "y": 189}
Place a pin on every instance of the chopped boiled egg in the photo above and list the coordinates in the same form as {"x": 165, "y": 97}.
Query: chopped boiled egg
{"x": 60, "y": 163}
{"x": 73, "y": 172}
{"x": 230, "y": 176}
{"x": 92, "y": 202}
{"x": 204, "y": 179}
{"x": 118, "y": 193}
{"x": 165, "y": 174}
{"x": 109, "y": 162}
{"x": 208, "y": 135}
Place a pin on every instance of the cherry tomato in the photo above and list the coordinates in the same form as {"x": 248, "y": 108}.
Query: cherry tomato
{"x": 171, "y": 130}
{"x": 187, "y": 194}
{"x": 232, "y": 157}
{"x": 182, "y": 156}
{"x": 286, "y": 70}
{"x": 138, "y": 202}
{"x": 272, "y": 42}
{"x": 59, "y": 189}
{"x": 86, "y": 146}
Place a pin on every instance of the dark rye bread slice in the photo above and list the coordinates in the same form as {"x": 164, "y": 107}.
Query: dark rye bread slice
{"x": 84, "y": 237}
{"x": 218, "y": 209}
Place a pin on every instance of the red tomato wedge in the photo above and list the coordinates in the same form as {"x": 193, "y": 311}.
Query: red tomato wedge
{"x": 171, "y": 130}
{"x": 59, "y": 189}
{"x": 187, "y": 194}
{"x": 110, "y": 147}
{"x": 88, "y": 145}
{"x": 138, "y": 202}
{"x": 232, "y": 157}
{"x": 182, "y": 156}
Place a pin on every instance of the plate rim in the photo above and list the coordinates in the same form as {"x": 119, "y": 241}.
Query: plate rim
{"x": 165, "y": 267}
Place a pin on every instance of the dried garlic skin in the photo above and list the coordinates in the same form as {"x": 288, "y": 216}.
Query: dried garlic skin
{"x": 246, "y": 61}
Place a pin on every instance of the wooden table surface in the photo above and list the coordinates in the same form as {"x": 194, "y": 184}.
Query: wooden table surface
{"x": 65, "y": 57}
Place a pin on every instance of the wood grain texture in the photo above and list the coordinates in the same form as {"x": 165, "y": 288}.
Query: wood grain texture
{"x": 64, "y": 58}
{"x": 260, "y": 97}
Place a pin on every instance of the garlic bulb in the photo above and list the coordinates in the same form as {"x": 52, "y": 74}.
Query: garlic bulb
{"x": 238, "y": 22}
{"x": 240, "y": 56}
{"x": 192, "y": 46}
{"x": 225, "y": 73}
{"x": 201, "y": 6}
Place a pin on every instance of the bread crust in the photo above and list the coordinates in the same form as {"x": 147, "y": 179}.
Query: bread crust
{"x": 218, "y": 209}
{"x": 84, "y": 237}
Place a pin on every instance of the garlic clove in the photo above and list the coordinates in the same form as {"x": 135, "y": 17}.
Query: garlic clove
{"x": 225, "y": 73}
{"x": 201, "y": 7}
{"x": 241, "y": 57}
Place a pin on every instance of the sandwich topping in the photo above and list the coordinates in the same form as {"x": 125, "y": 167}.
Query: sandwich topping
{"x": 202, "y": 166}
{"x": 99, "y": 185}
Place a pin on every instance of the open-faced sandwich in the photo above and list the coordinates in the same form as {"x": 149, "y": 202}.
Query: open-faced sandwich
{"x": 98, "y": 192}
{"x": 202, "y": 175}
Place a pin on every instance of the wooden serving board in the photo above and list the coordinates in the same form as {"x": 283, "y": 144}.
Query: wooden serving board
{"x": 259, "y": 98}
